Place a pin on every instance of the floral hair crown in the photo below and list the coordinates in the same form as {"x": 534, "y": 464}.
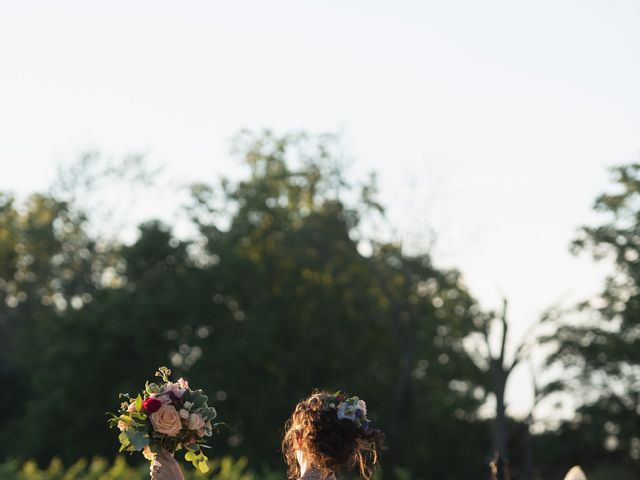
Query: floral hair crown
{"x": 348, "y": 408}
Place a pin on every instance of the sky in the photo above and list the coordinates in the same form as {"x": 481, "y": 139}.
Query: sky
{"x": 493, "y": 122}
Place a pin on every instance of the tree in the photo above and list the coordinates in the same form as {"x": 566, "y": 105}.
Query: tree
{"x": 496, "y": 368}
{"x": 318, "y": 313}
{"x": 270, "y": 299}
{"x": 598, "y": 342}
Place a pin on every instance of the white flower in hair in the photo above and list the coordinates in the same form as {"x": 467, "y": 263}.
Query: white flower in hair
{"x": 362, "y": 407}
{"x": 345, "y": 410}
{"x": 352, "y": 408}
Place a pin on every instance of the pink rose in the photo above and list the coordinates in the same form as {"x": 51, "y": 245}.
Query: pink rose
{"x": 166, "y": 420}
{"x": 196, "y": 422}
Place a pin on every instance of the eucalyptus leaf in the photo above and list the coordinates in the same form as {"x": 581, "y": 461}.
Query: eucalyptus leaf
{"x": 138, "y": 439}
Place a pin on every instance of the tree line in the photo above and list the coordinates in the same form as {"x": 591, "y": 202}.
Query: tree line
{"x": 270, "y": 297}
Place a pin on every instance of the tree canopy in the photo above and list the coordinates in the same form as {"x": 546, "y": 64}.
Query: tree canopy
{"x": 597, "y": 344}
{"x": 271, "y": 298}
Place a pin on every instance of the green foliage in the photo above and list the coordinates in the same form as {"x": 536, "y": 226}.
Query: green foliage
{"x": 98, "y": 468}
{"x": 598, "y": 342}
{"x": 270, "y": 299}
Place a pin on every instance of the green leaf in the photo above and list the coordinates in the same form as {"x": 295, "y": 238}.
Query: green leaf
{"x": 138, "y": 416}
{"x": 124, "y": 439}
{"x": 199, "y": 399}
{"x": 139, "y": 403}
{"x": 209, "y": 413}
{"x": 138, "y": 439}
{"x": 155, "y": 447}
{"x": 151, "y": 387}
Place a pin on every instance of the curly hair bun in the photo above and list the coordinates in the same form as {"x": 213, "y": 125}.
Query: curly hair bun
{"x": 330, "y": 443}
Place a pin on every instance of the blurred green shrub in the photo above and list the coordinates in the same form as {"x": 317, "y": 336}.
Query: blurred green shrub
{"x": 98, "y": 468}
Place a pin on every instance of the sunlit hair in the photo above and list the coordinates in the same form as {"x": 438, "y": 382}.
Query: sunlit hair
{"x": 329, "y": 444}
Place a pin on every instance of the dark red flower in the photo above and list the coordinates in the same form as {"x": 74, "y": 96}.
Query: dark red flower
{"x": 151, "y": 405}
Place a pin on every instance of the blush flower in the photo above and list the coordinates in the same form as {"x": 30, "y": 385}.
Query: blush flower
{"x": 183, "y": 384}
{"x": 148, "y": 454}
{"x": 174, "y": 388}
{"x": 166, "y": 420}
{"x": 196, "y": 422}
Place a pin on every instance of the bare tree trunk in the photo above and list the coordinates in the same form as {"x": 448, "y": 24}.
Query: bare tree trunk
{"x": 527, "y": 467}
{"x": 500, "y": 433}
{"x": 499, "y": 370}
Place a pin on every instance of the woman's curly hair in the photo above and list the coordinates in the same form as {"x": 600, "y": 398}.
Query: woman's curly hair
{"x": 328, "y": 443}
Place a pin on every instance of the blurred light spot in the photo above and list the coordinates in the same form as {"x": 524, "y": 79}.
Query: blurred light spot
{"x": 172, "y": 335}
{"x": 235, "y": 440}
{"x": 611, "y": 443}
{"x": 203, "y": 332}
{"x": 221, "y": 395}
{"x": 176, "y": 359}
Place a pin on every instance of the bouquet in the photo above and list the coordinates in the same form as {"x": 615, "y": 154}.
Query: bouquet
{"x": 168, "y": 416}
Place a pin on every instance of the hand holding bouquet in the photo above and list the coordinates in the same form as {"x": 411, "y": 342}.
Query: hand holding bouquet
{"x": 169, "y": 416}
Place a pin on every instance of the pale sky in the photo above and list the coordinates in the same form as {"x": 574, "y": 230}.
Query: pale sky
{"x": 493, "y": 122}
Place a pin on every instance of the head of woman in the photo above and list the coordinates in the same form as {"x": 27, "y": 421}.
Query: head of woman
{"x": 328, "y": 433}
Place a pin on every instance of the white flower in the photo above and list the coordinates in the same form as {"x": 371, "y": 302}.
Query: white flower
{"x": 184, "y": 413}
{"x": 188, "y": 405}
{"x": 346, "y": 411}
{"x": 362, "y": 407}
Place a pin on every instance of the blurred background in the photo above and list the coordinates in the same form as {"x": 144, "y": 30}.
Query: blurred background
{"x": 432, "y": 205}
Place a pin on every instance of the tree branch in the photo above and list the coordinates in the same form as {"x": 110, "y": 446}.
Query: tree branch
{"x": 505, "y": 329}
